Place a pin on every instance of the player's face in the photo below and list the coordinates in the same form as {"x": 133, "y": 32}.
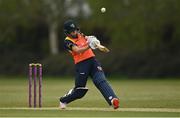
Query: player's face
{"x": 74, "y": 34}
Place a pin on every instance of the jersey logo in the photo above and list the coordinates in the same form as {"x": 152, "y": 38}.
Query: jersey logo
{"x": 99, "y": 68}
{"x": 82, "y": 73}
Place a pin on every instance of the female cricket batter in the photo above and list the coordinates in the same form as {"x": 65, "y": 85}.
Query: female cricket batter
{"x": 86, "y": 65}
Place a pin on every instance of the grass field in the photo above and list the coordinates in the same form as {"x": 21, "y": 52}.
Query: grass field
{"x": 138, "y": 97}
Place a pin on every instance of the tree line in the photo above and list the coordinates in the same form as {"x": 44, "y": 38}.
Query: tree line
{"x": 143, "y": 36}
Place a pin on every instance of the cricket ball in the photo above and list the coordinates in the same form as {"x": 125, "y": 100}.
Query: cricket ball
{"x": 103, "y": 9}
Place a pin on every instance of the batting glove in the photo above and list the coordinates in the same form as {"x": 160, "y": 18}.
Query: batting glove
{"x": 92, "y": 41}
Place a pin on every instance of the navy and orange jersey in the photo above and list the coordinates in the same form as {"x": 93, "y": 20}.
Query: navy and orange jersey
{"x": 68, "y": 45}
{"x": 80, "y": 41}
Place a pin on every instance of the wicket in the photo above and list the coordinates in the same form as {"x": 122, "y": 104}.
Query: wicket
{"x": 34, "y": 68}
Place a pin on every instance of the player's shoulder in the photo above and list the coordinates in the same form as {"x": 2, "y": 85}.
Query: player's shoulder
{"x": 68, "y": 43}
{"x": 68, "y": 39}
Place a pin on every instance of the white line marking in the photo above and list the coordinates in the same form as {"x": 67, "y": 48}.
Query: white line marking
{"x": 177, "y": 110}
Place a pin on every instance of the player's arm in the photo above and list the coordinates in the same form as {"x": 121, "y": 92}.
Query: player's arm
{"x": 70, "y": 46}
{"x": 80, "y": 49}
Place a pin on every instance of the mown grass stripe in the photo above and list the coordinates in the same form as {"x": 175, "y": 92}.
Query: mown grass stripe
{"x": 177, "y": 110}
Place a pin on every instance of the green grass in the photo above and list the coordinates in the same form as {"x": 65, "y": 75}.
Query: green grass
{"x": 136, "y": 93}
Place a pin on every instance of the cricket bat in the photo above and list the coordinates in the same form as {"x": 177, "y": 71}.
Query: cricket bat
{"x": 102, "y": 48}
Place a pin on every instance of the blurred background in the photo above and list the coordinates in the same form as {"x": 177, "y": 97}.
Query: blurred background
{"x": 143, "y": 35}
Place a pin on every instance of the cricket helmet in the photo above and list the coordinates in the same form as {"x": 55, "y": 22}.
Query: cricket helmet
{"x": 70, "y": 26}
